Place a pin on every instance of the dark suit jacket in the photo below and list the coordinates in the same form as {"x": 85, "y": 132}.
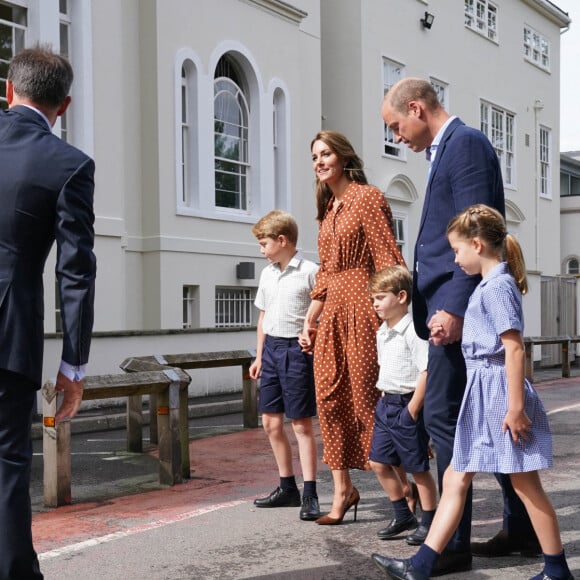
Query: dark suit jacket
{"x": 465, "y": 171}
{"x": 46, "y": 194}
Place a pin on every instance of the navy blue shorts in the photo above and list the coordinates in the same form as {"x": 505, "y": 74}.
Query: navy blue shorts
{"x": 287, "y": 379}
{"x": 397, "y": 439}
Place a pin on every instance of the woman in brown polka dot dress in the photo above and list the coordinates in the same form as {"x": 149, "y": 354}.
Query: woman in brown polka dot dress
{"x": 355, "y": 240}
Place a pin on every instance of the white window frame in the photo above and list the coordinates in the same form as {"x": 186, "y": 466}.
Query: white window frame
{"x": 499, "y": 127}
{"x": 393, "y": 71}
{"x": 442, "y": 90}
{"x": 545, "y": 161}
{"x": 238, "y": 168}
{"x": 537, "y": 48}
{"x": 19, "y": 38}
{"x": 575, "y": 270}
{"x": 190, "y": 303}
{"x": 65, "y": 24}
{"x": 400, "y": 230}
{"x": 234, "y": 306}
{"x": 481, "y": 16}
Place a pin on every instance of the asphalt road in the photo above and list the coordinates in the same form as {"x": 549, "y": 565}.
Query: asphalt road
{"x": 123, "y": 525}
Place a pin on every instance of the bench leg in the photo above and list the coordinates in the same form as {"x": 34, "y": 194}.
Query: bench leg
{"x": 135, "y": 424}
{"x": 530, "y": 363}
{"x": 169, "y": 440}
{"x": 153, "y": 428}
{"x": 184, "y": 431}
{"x": 250, "y": 394}
{"x": 56, "y": 452}
{"x": 566, "y": 359}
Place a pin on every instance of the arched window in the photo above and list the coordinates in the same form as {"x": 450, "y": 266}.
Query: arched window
{"x": 573, "y": 266}
{"x": 187, "y": 143}
{"x": 231, "y": 124}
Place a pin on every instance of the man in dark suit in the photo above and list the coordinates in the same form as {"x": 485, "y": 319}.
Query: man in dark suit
{"x": 46, "y": 194}
{"x": 464, "y": 170}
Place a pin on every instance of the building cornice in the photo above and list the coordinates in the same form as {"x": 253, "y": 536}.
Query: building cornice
{"x": 551, "y": 11}
{"x": 280, "y": 8}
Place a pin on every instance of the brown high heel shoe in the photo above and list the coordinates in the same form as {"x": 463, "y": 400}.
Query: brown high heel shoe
{"x": 353, "y": 500}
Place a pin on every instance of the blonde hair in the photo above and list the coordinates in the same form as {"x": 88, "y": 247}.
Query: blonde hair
{"x": 353, "y": 166}
{"x": 277, "y": 223}
{"x": 482, "y": 221}
{"x": 392, "y": 279}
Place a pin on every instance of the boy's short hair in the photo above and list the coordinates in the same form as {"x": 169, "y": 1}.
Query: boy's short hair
{"x": 277, "y": 223}
{"x": 392, "y": 279}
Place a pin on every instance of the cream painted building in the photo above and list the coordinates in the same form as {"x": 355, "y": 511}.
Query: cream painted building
{"x": 200, "y": 113}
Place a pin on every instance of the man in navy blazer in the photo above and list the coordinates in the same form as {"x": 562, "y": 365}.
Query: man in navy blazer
{"x": 46, "y": 195}
{"x": 464, "y": 170}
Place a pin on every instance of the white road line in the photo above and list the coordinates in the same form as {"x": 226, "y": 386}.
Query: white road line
{"x": 563, "y": 409}
{"x": 135, "y": 530}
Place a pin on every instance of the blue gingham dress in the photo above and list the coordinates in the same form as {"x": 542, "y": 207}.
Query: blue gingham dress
{"x": 494, "y": 308}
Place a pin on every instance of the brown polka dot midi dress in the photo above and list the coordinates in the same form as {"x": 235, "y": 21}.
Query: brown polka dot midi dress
{"x": 355, "y": 240}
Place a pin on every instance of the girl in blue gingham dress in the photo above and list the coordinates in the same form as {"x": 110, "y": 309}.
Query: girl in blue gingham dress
{"x": 502, "y": 426}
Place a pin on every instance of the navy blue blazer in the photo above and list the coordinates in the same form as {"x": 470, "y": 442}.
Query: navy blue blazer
{"x": 465, "y": 171}
{"x": 46, "y": 194}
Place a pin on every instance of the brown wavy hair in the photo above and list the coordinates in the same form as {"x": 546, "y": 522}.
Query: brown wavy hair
{"x": 353, "y": 166}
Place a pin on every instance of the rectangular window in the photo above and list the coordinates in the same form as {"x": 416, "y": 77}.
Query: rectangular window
{"x": 536, "y": 48}
{"x": 392, "y": 72}
{"x": 65, "y": 43}
{"x": 481, "y": 17}
{"x": 399, "y": 229}
{"x": 499, "y": 127}
{"x": 233, "y": 307}
{"x": 545, "y": 153}
{"x": 12, "y": 40}
{"x": 190, "y": 306}
{"x": 441, "y": 89}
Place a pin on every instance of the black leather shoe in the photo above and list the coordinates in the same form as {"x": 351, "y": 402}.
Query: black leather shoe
{"x": 543, "y": 576}
{"x": 398, "y": 569}
{"x": 502, "y": 545}
{"x": 279, "y": 498}
{"x": 418, "y": 536}
{"x": 397, "y": 526}
{"x": 310, "y": 509}
{"x": 450, "y": 562}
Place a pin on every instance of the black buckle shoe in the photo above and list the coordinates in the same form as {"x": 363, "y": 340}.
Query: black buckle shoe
{"x": 279, "y": 498}
{"x": 450, "y": 562}
{"x": 418, "y": 536}
{"x": 398, "y": 569}
{"x": 310, "y": 509}
{"x": 397, "y": 526}
{"x": 502, "y": 545}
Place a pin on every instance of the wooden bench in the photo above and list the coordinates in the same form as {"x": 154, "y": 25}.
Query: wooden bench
{"x": 564, "y": 341}
{"x": 197, "y": 360}
{"x": 170, "y": 388}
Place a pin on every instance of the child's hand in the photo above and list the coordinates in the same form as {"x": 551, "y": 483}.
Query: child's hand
{"x": 256, "y": 369}
{"x": 306, "y": 339}
{"x": 518, "y": 424}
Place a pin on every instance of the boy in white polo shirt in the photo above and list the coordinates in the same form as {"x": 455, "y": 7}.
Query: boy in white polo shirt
{"x": 287, "y": 379}
{"x": 400, "y": 442}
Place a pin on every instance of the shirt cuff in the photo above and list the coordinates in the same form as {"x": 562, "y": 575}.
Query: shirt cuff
{"x": 73, "y": 373}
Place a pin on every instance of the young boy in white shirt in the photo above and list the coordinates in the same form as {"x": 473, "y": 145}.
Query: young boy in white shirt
{"x": 400, "y": 442}
{"x": 287, "y": 379}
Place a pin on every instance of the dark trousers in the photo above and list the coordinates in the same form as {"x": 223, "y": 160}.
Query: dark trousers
{"x": 18, "y": 560}
{"x": 446, "y": 380}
